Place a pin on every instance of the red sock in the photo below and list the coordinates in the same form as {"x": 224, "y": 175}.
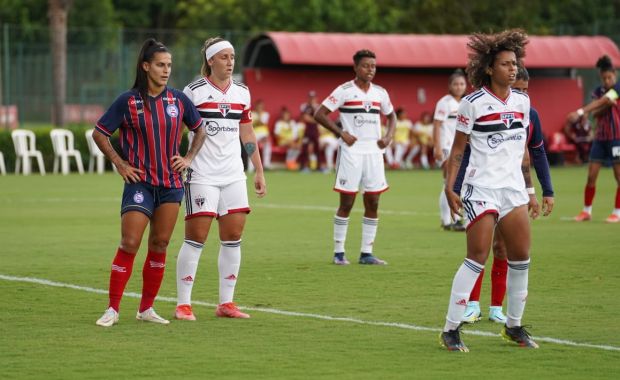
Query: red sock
{"x": 475, "y": 292}
{"x": 588, "y": 195}
{"x": 152, "y": 275}
{"x": 498, "y": 281}
{"x": 618, "y": 197}
{"x": 119, "y": 275}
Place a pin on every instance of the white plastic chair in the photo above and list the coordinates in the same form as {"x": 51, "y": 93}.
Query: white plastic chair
{"x": 24, "y": 142}
{"x": 96, "y": 155}
{"x": 2, "y": 166}
{"x": 62, "y": 142}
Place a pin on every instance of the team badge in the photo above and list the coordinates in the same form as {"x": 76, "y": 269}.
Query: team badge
{"x": 507, "y": 118}
{"x": 172, "y": 110}
{"x": 367, "y": 105}
{"x": 138, "y": 197}
{"x": 224, "y": 108}
{"x": 199, "y": 200}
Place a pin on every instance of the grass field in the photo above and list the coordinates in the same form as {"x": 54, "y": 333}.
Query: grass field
{"x": 310, "y": 319}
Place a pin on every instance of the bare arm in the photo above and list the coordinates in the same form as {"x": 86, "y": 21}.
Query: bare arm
{"x": 128, "y": 172}
{"x": 437, "y": 152}
{"x": 389, "y": 134}
{"x": 248, "y": 139}
{"x": 452, "y": 168}
{"x": 179, "y": 163}
{"x": 533, "y": 205}
{"x": 321, "y": 117}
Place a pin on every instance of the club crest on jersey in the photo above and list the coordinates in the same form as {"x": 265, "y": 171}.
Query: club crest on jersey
{"x": 367, "y": 105}
{"x": 199, "y": 200}
{"x": 224, "y": 108}
{"x": 507, "y": 118}
{"x": 138, "y": 197}
{"x": 172, "y": 110}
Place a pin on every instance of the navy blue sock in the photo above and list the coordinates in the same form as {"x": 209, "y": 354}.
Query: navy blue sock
{"x": 339, "y": 255}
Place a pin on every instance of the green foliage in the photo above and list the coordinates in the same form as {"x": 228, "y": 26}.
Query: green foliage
{"x": 66, "y": 229}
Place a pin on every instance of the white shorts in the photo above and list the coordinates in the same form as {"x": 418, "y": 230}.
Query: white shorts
{"x": 360, "y": 171}
{"x": 479, "y": 201}
{"x": 215, "y": 201}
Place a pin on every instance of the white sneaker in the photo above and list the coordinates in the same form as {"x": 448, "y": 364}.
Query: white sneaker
{"x": 149, "y": 315}
{"x": 109, "y": 318}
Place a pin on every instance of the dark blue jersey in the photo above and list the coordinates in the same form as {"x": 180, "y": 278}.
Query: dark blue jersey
{"x": 150, "y": 137}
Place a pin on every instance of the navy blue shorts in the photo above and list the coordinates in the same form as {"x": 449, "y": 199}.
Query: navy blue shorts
{"x": 604, "y": 151}
{"x": 146, "y": 198}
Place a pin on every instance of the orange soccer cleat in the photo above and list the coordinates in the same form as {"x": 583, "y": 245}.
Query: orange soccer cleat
{"x": 184, "y": 313}
{"x": 613, "y": 218}
{"x": 583, "y": 217}
{"x": 229, "y": 310}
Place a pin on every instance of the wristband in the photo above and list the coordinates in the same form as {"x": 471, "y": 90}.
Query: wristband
{"x": 531, "y": 190}
{"x": 580, "y": 112}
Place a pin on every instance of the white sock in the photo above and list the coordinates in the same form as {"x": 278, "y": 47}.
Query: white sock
{"x": 228, "y": 264}
{"x": 369, "y": 231}
{"x": 340, "y": 232}
{"x": 444, "y": 209}
{"x": 464, "y": 281}
{"x": 187, "y": 264}
{"x": 516, "y": 291}
{"x": 587, "y": 209}
{"x": 330, "y": 150}
{"x": 617, "y": 211}
{"x": 412, "y": 153}
{"x": 267, "y": 154}
{"x": 424, "y": 161}
{"x": 389, "y": 155}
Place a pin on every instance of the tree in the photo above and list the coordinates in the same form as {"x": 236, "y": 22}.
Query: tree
{"x": 58, "y": 10}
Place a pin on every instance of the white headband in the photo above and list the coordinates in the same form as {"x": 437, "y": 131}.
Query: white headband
{"x": 216, "y": 48}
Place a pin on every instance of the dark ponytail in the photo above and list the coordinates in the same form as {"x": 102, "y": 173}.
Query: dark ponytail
{"x": 604, "y": 64}
{"x": 149, "y": 48}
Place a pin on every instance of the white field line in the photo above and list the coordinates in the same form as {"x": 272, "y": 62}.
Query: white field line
{"x": 304, "y": 315}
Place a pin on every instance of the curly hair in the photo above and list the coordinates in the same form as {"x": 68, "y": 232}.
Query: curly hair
{"x": 485, "y": 47}
{"x": 604, "y": 64}
{"x": 364, "y": 53}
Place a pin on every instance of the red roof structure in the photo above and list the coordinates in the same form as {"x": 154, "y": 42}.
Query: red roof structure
{"x": 421, "y": 50}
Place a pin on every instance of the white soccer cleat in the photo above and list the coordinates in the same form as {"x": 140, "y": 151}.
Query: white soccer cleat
{"x": 496, "y": 315}
{"x": 109, "y": 318}
{"x": 472, "y": 312}
{"x": 149, "y": 315}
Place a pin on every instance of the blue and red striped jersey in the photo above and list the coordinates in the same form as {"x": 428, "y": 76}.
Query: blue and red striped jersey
{"x": 608, "y": 121}
{"x": 150, "y": 137}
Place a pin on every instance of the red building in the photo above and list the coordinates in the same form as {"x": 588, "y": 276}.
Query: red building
{"x": 281, "y": 67}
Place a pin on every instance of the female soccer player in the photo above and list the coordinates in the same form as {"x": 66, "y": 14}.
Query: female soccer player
{"x": 444, "y": 125}
{"x": 536, "y": 149}
{"x": 360, "y": 157}
{"x": 606, "y": 144}
{"x": 494, "y": 119}
{"x": 216, "y": 184}
{"x": 150, "y": 118}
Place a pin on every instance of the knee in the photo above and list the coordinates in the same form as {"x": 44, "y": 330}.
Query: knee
{"x": 158, "y": 244}
{"x": 345, "y": 208}
{"x": 130, "y": 244}
{"x": 499, "y": 250}
{"x": 231, "y": 236}
{"x": 372, "y": 205}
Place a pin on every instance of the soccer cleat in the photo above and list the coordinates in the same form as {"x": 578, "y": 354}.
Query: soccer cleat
{"x": 496, "y": 314}
{"x": 518, "y": 335}
{"x": 613, "y": 218}
{"x": 451, "y": 340}
{"x": 368, "y": 259}
{"x": 583, "y": 217}
{"x": 184, "y": 313}
{"x": 472, "y": 312}
{"x": 456, "y": 226}
{"x": 149, "y": 315}
{"x": 229, "y": 310}
{"x": 339, "y": 259}
{"x": 109, "y": 318}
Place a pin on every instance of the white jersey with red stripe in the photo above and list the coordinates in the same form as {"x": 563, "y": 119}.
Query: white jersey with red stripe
{"x": 445, "y": 112}
{"x": 359, "y": 114}
{"x": 219, "y": 161}
{"x": 497, "y": 132}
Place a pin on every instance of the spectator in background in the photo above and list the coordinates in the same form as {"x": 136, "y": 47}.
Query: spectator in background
{"x": 308, "y": 159}
{"x": 328, "y": 144}
{"x": 423, "y": 132}
{"x": 579, "y": 133}
{"x": 402, "y": 140}
{"x": 260, "y": 122}
{"x": 287, "y": 134}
